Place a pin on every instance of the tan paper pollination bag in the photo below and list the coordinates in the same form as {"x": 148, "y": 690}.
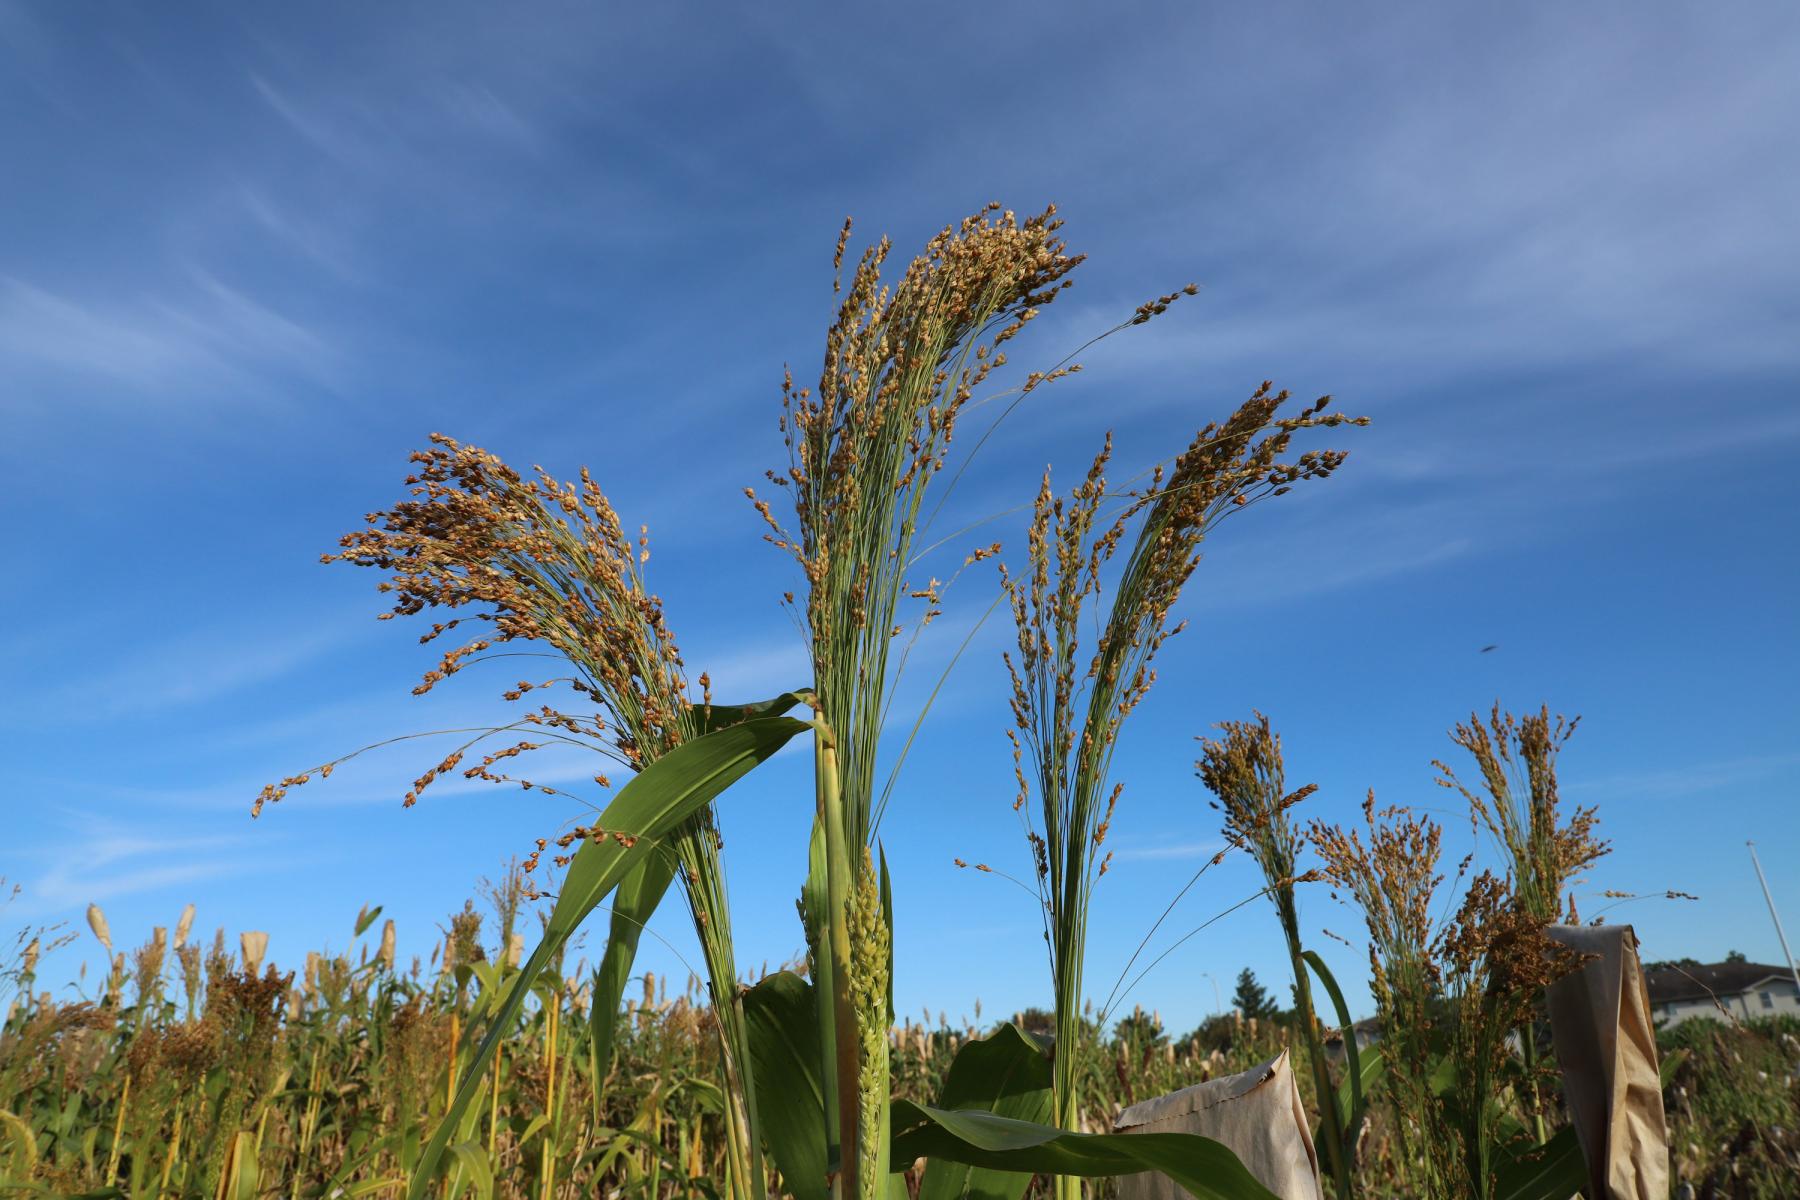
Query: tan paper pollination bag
{"x": 1257, "y": 1114}
{"x": 1606, "y": 1048}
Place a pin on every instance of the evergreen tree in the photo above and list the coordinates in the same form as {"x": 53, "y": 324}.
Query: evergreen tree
{"x": 1251, "y": 998}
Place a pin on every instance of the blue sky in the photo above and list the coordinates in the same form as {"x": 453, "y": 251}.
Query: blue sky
{"x": 250, "y": 257}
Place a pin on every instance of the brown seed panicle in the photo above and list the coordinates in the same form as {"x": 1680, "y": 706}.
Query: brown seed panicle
{"x": 1070, "y": 700}
{"x": 537, "y": 560}
{"x": 1244, "y": 770}
{"x": 902, "y": 361}
{"x": 1067, "y": 710}
{"x": 1520, "y": 806}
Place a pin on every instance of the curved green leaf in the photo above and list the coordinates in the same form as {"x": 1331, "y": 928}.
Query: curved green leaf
{"x": 713, "y": 717}
{"x": 1352, "y": 1095}
{"x": 1205, "y": 1168}
{"x": 473, "y": 1161}
{"x": 1005, "y": 1073}
{"x": 633, "y": 905}
{"x": 1554, "y": 1171}
{"x": 642, "y": 892}
{"x": 646, "y": 809}
{"x": 781, "y": 1015}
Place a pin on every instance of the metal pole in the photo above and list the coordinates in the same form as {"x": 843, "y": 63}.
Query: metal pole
{"x": 1774, "y": 916}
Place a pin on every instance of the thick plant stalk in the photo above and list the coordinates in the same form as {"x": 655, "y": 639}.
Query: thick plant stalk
{"x": 162, "y": 1184}
{"x": 1329, "y": 1116}
{"x": 836, "y": 935}
{"x": 112, "y": 1157}
{"x": 548, "y": 1157}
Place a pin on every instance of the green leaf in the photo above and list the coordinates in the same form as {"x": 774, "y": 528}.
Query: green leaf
{"x": 781, "y": 1015}
{"x": 712, "y": 718}
{"x": 647, "y": 809}
{"x": 473, "y": 1161}
{"x": 1205, "y": 1168}
{"x": 1372, "y": 1065}
{"x": 642, "y": 892}
{"x": 1005, "y": 1073}
{"x": 1351, "y": 1113}
{"x": 244, "y": 1173}
{"x": 1554, "y": 1171}
{"x": 633, "y": 905}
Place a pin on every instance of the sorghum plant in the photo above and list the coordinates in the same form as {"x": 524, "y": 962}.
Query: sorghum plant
{"x": 1244, "y": 770}
{"x": 1069, "y": 704}
{"x": 1447, "y": 993}
{"x": 1393, "y": 879}
{"x": 901, "y": 363}
{"x": 550, "y": 562}
{"x": 1519, "y": 804}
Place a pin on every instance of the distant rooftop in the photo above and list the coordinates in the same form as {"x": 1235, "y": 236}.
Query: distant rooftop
{"x": 1675, "y": 984}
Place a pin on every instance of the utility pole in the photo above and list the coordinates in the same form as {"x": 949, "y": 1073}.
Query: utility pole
{"x": 1774, "y": 916}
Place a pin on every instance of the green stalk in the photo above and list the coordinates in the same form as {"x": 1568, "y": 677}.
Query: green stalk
{"x": 836, "y": 937}
{"x": 1528, "y": 1054}
{"x": 1329, "y": 1116}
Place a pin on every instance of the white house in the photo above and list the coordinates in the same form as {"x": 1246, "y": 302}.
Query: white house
{"x": 1741, "y": 991}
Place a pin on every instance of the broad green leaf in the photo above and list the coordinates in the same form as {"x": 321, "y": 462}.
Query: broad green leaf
{"x": 1554, "y": 1171}
{"x": 642, "y": 891}
{"x": 781, "y": 1014}
{"x": 633, "y": 905}
{"x": 712, "y": 718}
{"x": 646, "y": 810}
{"x": 1005, "y": 1073}
{"x": 245, "y": 1178}
{"x": 1205, "y": 1168}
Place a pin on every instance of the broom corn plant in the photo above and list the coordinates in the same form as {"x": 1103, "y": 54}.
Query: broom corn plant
{"x": 1519, "y": 805}
{"x": 1244, "y": 769}
{"x": 1069, "y": 704}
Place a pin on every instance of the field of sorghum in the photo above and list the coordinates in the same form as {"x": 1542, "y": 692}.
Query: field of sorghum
{"x": 190, "y": 1074}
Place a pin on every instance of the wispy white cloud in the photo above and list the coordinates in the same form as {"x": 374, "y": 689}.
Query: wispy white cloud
{"x": 84, "y": 870}
{"x": 200, "y": 336}
{"x": 42, "y": 327}
{"x": 187, "y": 669}
{"x": 322, "y": 243}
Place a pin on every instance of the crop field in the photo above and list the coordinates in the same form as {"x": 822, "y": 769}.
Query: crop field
{"x": 193, "y": 1076}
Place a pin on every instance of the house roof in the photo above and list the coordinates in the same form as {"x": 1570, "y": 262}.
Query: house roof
{"x": 1674, "y": 984}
